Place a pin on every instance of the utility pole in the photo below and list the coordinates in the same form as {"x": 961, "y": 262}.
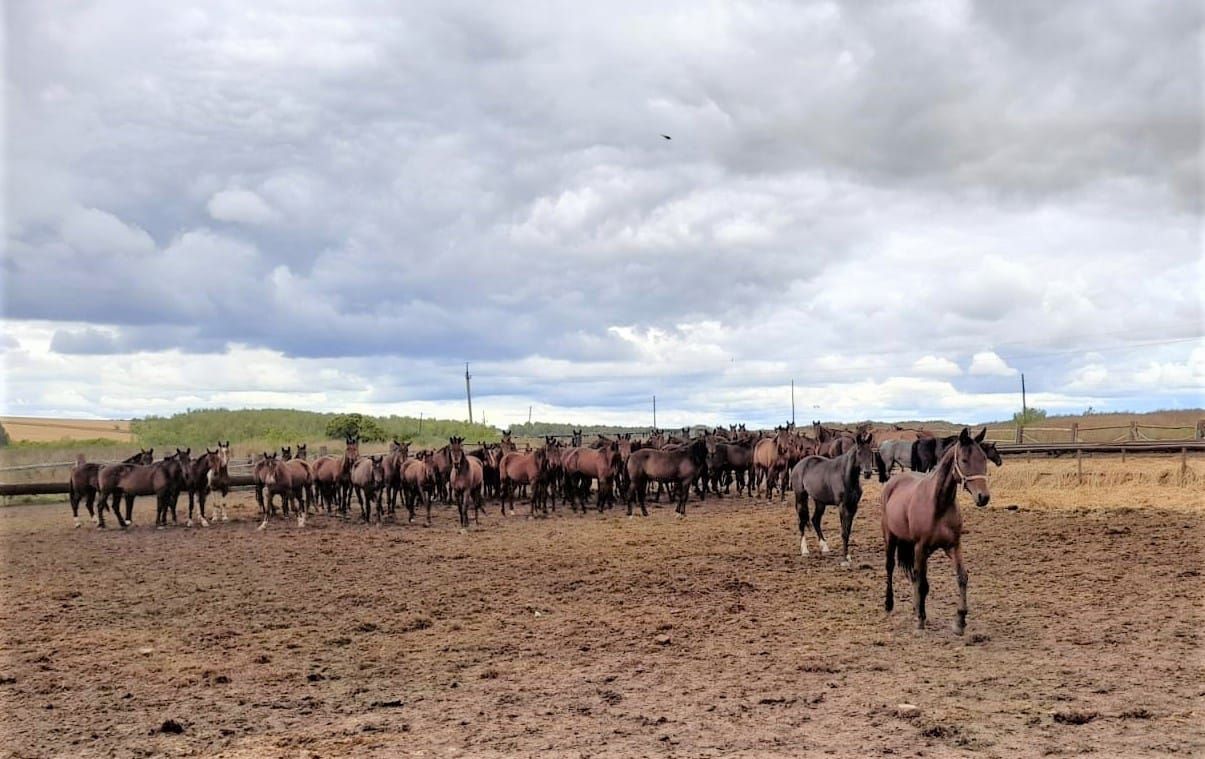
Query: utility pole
{"x": 468, "y": 390}
{"x": 654, "y": 412}
{"x": 420, "y": 422}
{"x": 529, "y": 415}
{"x": 1023, "y": 406}
{"x": 792, "y": 402}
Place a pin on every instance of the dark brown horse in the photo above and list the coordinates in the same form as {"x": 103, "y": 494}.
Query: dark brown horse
{"x": 920, "y": 516}
{"x": 162, "y": 479}
{"x": 465, "y": 478}
{"x": 393, "y": 463}
{"x": 730, "y": 460}
{"x": 205, "y": 474}
{"x": 583, "y": 465}
{"x": 82, "y": 484}
{"x": 832, "y": 482}
{"x": 677, "y": 466}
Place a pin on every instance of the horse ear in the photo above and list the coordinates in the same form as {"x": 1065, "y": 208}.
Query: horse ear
{"x": 964, "y": 437}
{"x": 981, "y": 435}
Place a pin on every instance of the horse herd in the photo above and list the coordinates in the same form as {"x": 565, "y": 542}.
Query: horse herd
{"x": 920, "y": 513}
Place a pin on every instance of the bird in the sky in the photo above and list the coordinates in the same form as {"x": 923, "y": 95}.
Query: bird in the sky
{"x": 666, "y": 136}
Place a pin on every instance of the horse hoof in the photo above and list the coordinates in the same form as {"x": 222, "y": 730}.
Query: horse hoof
{"x": 188, "y": 523}
{"x": 845, "y": 563}
{"x": 803, "y": 547}
{"x": 262, "y": 526}
{"x": 958, "y": 629}
{"x": 204, "y": 522}
{"x": 824, "y": 546}
{"x": 77, "y": 523}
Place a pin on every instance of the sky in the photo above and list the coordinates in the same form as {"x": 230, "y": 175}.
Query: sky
{"x": 333, "y": 206}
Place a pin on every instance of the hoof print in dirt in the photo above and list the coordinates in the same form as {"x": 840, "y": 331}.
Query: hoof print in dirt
{"x": 169, "y": 727}
{"x": 1072, "y": 717}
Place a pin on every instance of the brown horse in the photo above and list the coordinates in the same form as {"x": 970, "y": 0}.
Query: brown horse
{"x": 301, "y": 472}
{"x": 330, "y": 474}
{"x": 732, "y": 460}
{"x": 208, "y": 473}
{"x": 162, "y": 479}
{"x": 920, "y": 516}
{"x": 531, "y": 469}
{"x": 368, "y": 484}
{"x": 465, "y": 476}
{"x": 82, "y": 484}
{"x": 675, "y": 466}
{"x": 272, "y": 478}
{"x": 770, "y": 461}
{"x": 418, "y": 484}
{"x": 582, "y": 465}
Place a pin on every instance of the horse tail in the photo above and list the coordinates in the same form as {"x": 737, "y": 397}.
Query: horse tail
{"x": 915, "y": 457}
{"x": 905, "y": 556}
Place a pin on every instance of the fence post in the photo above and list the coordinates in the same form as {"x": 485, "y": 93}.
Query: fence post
{"x": 1079, "y": 464}
{"x": 1133, "y": 430}
{"x": 1020, "y": 434}
{"x": 322, "y": 450}
{"x": 1201, "y": 429}
{"x": 1075, "y": 432}
{"x": 1183, "y": 466}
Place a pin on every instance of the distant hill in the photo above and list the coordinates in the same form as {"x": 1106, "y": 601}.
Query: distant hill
{"x": 23, "y": 429}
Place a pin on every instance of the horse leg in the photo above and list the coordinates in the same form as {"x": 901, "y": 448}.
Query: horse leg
{"x": 920, "y": 582}
{"x": 801, "y": 511}
{"x": 847, "y": 524}
{"x": 130, "y": 509}
{"x": 889, "y": 601}
{"x": 817, "y": 515}
{"x": 960, "y": 571}
{"x": 75, "y": 498}
{"x": 782, "y": 483}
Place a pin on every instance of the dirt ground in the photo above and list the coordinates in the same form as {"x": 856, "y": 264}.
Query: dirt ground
{"x": 600, "y": 636}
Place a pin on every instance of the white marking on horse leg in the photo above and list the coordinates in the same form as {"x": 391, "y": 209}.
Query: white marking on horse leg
{"x": 225, "y": 517}
{"x": 264, "y": 523}
{"x": 823, "y": 546}
{"x": 803, "y": 545}
{"x": 188, "y": 523}
{"x": 204, "y": 522}
{"x": 301, "y": 519}
{"x": 77, "y": 523}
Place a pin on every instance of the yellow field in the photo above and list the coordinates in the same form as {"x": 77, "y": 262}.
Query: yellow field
{"x": 39, "y": 430}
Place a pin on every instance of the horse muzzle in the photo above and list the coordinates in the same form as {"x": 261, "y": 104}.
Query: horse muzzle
{"x": 981, "y": 499}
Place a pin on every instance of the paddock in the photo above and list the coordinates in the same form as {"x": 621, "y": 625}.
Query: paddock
{"x": 606, "y": 636}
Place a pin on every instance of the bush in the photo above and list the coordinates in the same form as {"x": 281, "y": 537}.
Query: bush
{"x": 1029, "y": 416}
{"x": 355, "y": 425}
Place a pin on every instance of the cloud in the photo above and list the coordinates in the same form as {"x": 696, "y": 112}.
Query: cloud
{"x": 988, "y": 364}
{"x": 935, "y": 366}
{"x": 241, "y": 206}
{"x": 421, "y": 186}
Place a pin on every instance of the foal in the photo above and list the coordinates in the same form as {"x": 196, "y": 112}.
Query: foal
{"x": 920, "y": 516}
{"x": 832, "y": 482}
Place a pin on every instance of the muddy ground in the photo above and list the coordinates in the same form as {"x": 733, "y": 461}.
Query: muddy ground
{"x": 598, "y": 636}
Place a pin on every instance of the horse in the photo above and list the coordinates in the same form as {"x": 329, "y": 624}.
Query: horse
{"x": 924, "y": 452}
{"x": 368, "y": 484}
{"x": 516, "y": 469}
{"x": 679, "y": 465}
{"x": 418, "y": 484}
{"x": 465, "y": 476}
{"x": 892, "y": 453}
{"x": 163, "y": 479}
{"x": 301, "y": 472}
{"x": 272, "y": 478}
{"x": 832, "y": 482}
{"x": 393, "y": 463}
{"x": 582, "y": 465}
{"x": 82, "y": 483}
{"x": 440, "y": 461}
{"x": 770, "y": 461}
{"x": 920, "y": 516}
{"x": 206, "y": 473}
{"x": 733, "y": 459}
{"x": 330, "y": 472}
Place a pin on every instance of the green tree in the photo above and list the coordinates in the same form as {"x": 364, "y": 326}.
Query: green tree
{"x": 355, "y": 425}
{"x": 1029, "y": 416}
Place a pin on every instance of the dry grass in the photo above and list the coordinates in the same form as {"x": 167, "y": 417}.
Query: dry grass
{"x": 39, "y": 430}
{"x": 1107, "y": 482}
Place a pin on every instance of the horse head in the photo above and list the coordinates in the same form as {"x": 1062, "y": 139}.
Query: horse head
{"x": 970, "y": 466}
